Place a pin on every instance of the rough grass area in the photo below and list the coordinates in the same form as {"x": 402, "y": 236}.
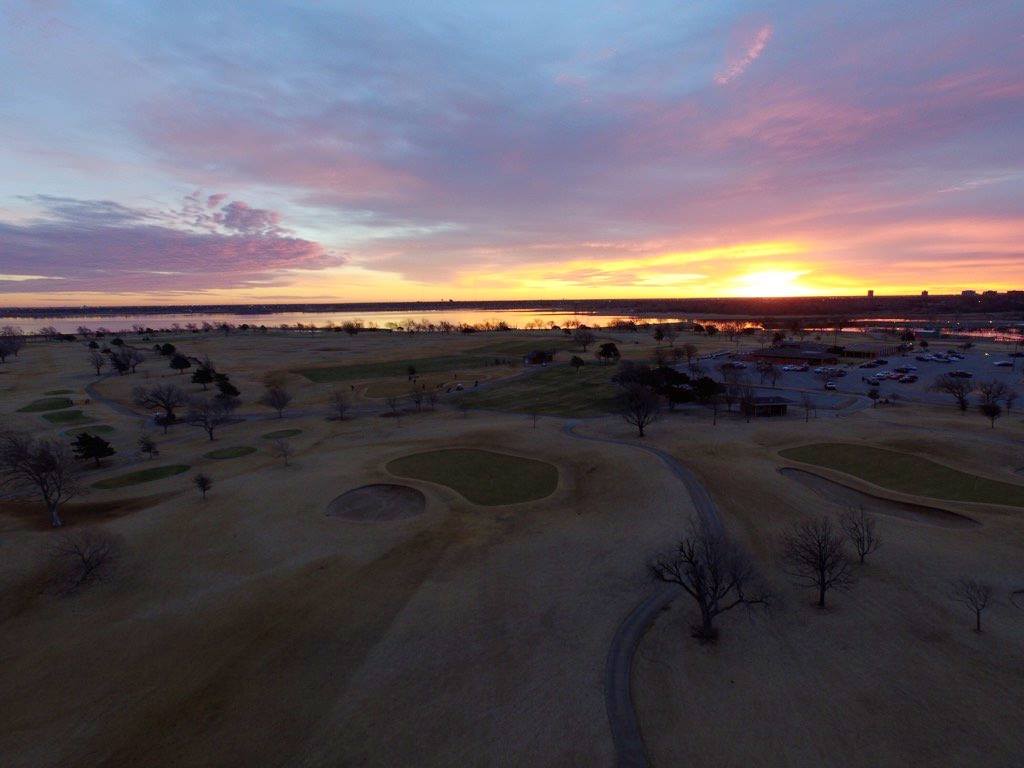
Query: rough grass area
{"x": 46, "y": 404}
{"x": 141, "y": 476}
{"x": 556, "y": 390}
{"x": 368, "y": 371}
{"x": 519, "y": 347}
{"x": 67, "y": 417}
{"x": 230, "y": 453}
{"x": 483, "y": 477}
{"x": 92, "y": 429}
{"x": 906, "y": 473}
{"x": 281, "y": 433}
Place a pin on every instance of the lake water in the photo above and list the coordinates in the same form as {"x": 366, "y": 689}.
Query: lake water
{"x": 514, "y": 318}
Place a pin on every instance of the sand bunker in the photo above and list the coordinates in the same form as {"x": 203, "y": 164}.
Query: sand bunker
{"x": 849, "y": 497}
{"x": 378, "y": 503}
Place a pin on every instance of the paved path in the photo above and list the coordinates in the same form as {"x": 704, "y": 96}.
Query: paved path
{"x": 629, "y": 744}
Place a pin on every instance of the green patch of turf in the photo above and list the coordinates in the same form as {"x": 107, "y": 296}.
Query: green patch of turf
{"x": 907, "y": 473}
{"x": 556, "y": 390}
{"x": 281, "y": 433}
{"x": 46, "y": 404}
{"x": 92, "y": 429}
{"x": 141, "y": 476}
{"x": 67, "y": 417}
{"x": 368, "y": 371}
{"x": 483, "y": 477}
{"x": 58, "y": 392}
{"x": 230, "y": 453}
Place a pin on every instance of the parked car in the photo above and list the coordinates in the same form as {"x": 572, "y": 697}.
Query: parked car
{"x": 830, "y": 385}
{"x": 908, "y": 379}
{"x": 1003, "y": 364}
{"x": 880, "y": 361}
{"x": 868, "y": 365}
{"x": 962, "y": 374}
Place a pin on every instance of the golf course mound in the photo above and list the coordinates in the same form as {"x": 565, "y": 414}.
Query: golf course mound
{"x": 377, "y": 503}
{"x": 850, "y": 497}
{"x": 482, "y": 477}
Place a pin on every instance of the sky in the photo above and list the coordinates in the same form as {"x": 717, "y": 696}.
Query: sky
{"x": 347, "y": 151}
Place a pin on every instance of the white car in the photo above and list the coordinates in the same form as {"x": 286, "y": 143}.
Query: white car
{"x": 1003, "y": 364}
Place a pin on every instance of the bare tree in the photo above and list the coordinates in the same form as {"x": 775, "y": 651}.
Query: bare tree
{"x": 584, "y": 337}
{"x": 690, "y": 350}
{"x": 282, "y": 449}
{"x": 432, "y": 399}
{"x": 203, "y": 483}
{"x": 391, "y": 401}
{"x": 166, "y": 397}
{"x": 814, "y": 556}
{"x": 147, "y": 445}
{"x": 975, "y": 594}
{"x": 958, "y": 388}
{"x": 208, "y": 414}
{"x": 339, "y": 404}
{"x": 639, "y": 406}
{"x": 97, "y": 360}
{"x": 716, "y": 573}
{"x": 991, "y": 411}
{"x": 860, "y": 530}
{"x": 808, "y": 403}
{"x": 276, "y": 397}
{"x": 416, "y": 397}
{"x": 83, "y": 557}
{"x": 42, "y": 467}
{"x": 1010, "y": 398}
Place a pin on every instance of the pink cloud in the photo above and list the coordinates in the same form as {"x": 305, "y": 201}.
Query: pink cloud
{"x": 737, "y": 66}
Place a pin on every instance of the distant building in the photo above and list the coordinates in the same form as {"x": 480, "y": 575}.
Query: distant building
{"x": 766, "y": 405}
{"x": 872, "y": 350}
{"x": 969, "y": 294}
{"x": 795, "y": 353}
{"x": 924, "y": 294}
{"x": 871, "y": 294}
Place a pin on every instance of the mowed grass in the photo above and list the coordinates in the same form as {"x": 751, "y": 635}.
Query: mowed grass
{"x": 907, "y": 473}
{"x": 368, "y": 371}
{"x": 281, "y": 433}
{"x": 58, "y": 392}
{"x": 92, "y": 429}
{"x": 67, "y": 417}
{"x": 141, "y": 476}
{"x": 483, "y": 477}
{"x": 556, "y": 390}
{"x": 230, "y": 453}
{"x": 46, "y": 404}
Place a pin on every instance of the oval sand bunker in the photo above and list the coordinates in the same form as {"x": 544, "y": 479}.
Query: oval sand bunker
{"x": 380, "y": 502}
{"x": 851, "y": 497}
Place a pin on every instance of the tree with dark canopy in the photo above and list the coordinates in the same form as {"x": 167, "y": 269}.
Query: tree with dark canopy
{"x": 608, "y": 352}
{"x": 88, "y": 446}
{"x": 203, "y": 483}
{"x": 167, "y": 397}
{"x": 208, "y": 414}
{"x": 814, "y": 556}
{"x": 180, "y": 363}
{"x": 584, "y": 337}
{"x": 713, "y": 571}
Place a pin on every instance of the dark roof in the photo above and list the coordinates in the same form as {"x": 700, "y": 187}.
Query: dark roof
{"x": 770, "y": 400}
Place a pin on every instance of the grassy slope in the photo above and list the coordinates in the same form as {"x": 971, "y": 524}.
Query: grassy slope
{"x": 556, "y": 390}
{"x": 67, "y": 417}
{"x": 230, "y": 453}
{"x": 46, "y": 404}
{"x": 483, "y": 477}
{"x": 281, "y": 433}
{"x": 141, "y": 476}
{"x": 907, "y": 473}
{"x": 365, "y": 371}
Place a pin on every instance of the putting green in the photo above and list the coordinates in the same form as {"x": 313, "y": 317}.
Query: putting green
{"x": 67, "y": 417}
{"x": 483, "y": 477}
{"x": 907, "y": 473}
{"x": 46, "y": 404}
{"x": 230, "y": 453}
{"x": 281, "y": 433}
{"x": 141, "y": 476}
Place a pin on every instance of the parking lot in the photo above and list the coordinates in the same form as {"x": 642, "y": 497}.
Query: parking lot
{"x": 858, "y": 378}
